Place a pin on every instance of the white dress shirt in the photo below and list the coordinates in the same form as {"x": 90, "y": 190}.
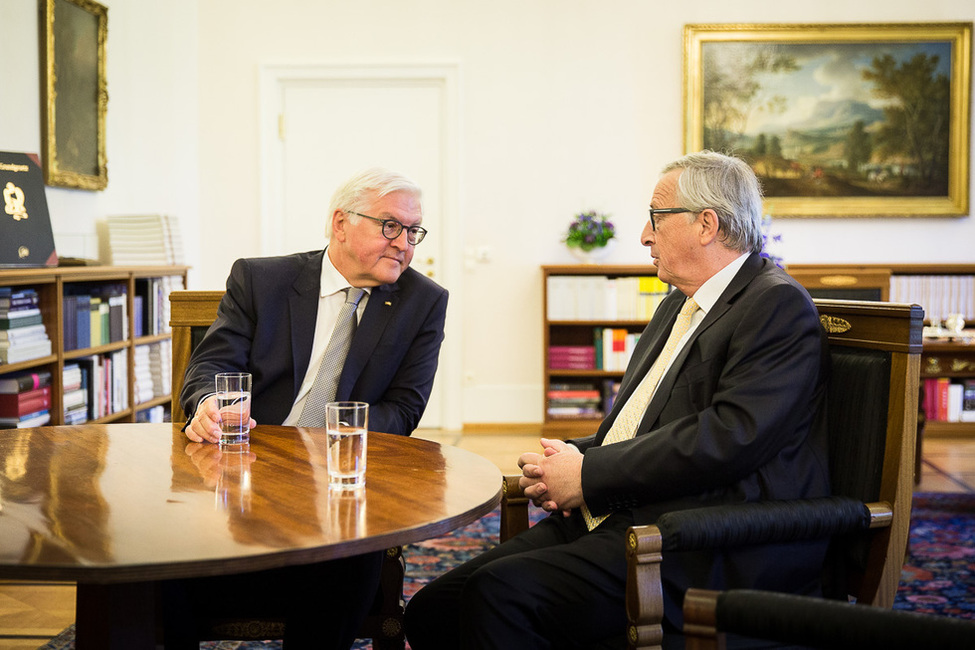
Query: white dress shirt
{"x": 331, "y": 297}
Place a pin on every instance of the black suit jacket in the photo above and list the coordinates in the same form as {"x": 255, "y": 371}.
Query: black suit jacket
{"x": 736, "y": 418}
{"x": 266, "y": 325}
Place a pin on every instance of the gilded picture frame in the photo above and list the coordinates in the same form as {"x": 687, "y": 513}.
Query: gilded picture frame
{"x": 837, "y": 120}
{"x": 74, "y": 93}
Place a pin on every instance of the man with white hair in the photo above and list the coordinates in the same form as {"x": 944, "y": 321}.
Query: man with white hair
{"x": 719, "y": 404}
{"x": 275, "y": 322}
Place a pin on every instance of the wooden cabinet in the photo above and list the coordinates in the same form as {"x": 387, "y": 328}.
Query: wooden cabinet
{"x": 939, "y": 288}
{"x": 130, "y": 285}
{"x": 954, "y": 359}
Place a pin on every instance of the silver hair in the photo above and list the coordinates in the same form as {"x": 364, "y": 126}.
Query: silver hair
{"x": 364, "y": 187}
{"x": 728, "y": 186}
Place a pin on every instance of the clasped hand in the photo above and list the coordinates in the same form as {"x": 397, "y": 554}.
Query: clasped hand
{"x": 553, "y": 478}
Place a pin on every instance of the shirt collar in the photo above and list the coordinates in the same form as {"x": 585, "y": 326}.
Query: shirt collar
{"x": 711, "y": 290}
{"x": 332, "y": 281}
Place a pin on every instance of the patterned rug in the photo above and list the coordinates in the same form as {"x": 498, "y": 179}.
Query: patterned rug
{"x": 938, "y": 576}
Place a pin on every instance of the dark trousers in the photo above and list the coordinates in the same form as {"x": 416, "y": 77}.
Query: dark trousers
{"x": 556, "y": 585}
{"x": 322, "y": 605}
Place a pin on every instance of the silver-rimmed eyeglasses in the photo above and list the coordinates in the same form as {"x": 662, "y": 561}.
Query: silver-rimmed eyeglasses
{"x": 392, "y": 229}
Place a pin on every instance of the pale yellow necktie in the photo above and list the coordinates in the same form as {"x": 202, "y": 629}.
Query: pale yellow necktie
{"x": 625, "y": 424}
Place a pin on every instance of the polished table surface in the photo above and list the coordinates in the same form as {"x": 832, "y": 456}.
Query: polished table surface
{"x": 115, "y": 503}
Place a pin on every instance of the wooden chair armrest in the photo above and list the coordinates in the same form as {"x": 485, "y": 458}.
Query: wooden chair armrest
{"x": 644, "y": 590}
{"x": 514, "y": 507}
{"x": 701, "y": 620}
{"x": 815, "y": 622}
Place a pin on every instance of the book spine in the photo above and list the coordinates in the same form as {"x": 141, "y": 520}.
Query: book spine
{"x": 26, "y": 407}
{"x": 21, "y": 383}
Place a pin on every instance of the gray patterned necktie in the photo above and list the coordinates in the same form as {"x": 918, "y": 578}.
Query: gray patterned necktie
{"x": 327, "y": 380}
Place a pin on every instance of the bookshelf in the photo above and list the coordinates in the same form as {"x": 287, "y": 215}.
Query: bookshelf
{"x": 137, "y": 318}
{"x": 583, "y": 306}
{"x": 939, "y": 288}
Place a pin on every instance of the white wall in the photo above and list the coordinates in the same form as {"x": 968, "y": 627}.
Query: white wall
{"x": 565, "y": 105}
{"x": 152, "y": 140}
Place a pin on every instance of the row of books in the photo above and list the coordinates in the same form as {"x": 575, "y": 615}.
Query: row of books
{"x": 581, "y": 400}
{"x": 95, "y": 315}
{"x": 105, "y": 381}
{"x": 23, "y": 335}
{"x": 151, "y": 304}
{"x": 599, "y": 297}
{"x": 144, "y": 240}
{"x": 158, "y": 413}
{"x": 76, "y": 380}
{"x": 152, "y": 376}
{"x": 949, "y": 400}
{"x": 940, "y": 295}
{"x": 25, "y": 400}
{"x": 611, "y": 350}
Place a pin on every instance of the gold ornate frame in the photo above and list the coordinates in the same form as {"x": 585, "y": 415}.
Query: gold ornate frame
{"x": 742, "y": 45}
{"x": 74, "y": 93}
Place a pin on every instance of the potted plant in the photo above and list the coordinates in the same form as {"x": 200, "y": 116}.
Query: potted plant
{"x": 589, "y": 236}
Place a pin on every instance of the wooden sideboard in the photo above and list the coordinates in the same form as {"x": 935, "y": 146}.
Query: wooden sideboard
{"x": 946, "y": 356}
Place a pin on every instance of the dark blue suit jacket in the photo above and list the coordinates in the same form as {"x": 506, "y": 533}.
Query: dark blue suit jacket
{"x": 266, "y": 325}
{"x": 737, "y": 418}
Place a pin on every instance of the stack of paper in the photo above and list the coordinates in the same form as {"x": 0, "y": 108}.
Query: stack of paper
{"x": 144, "y": 240}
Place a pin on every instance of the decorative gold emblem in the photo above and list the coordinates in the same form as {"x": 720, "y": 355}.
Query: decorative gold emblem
{"x": 838, "y": 280}
{"x": 13, "y": 201}
{"x": 834, "y": 324}
{"x": 23, "y": 252}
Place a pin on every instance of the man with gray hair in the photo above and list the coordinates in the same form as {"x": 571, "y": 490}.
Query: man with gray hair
{"x": 718, "y": 405}
{"x": 275, "y": 321}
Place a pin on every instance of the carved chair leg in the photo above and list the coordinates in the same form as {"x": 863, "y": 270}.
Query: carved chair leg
{"x": 644, "y": 592}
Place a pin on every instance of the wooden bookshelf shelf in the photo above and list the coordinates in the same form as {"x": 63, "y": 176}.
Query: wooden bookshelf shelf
{"x": 54, "y": 284}
{"x": 618, "y": 298}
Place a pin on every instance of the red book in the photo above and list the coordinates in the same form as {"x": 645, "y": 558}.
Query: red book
{"x": 943, "y": 383}
{"x": 31, "y": 401}
{"x": 619, "y": 340}
{"x": 570, "y": 394}
{"x": 931, "y": 398}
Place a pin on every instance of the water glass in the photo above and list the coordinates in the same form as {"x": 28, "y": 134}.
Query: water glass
{"x": 234, "y": 402}
{"x": 346, "y": 424}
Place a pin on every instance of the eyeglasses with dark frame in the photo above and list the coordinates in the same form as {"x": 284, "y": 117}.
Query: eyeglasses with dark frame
{"x": 392, "y": 229}
{"x": 653, "y": 222}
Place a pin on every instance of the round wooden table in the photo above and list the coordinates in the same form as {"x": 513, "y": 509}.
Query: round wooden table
{"x": 117, "y": 507}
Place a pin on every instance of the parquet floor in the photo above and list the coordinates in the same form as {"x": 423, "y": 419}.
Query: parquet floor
{"x": 33, "y": 613}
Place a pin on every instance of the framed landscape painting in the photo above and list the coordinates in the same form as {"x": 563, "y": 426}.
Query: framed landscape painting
{"x": 74, "y": 93}
{"x": 837, "y": 119}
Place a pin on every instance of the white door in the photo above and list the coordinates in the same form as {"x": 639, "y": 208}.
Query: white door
{"x": 329, "y": 122}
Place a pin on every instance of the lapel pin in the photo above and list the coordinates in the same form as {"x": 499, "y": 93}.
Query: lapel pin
{"x": 389, "y": 304}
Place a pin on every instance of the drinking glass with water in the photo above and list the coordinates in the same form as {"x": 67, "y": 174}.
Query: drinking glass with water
{"x": 346, "y": 424}
{"x": 234, "y": 403}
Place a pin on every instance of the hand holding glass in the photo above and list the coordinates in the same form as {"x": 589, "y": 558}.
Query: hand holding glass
{"x": 234, "y": 403}
{"x": 346, "y": 424}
